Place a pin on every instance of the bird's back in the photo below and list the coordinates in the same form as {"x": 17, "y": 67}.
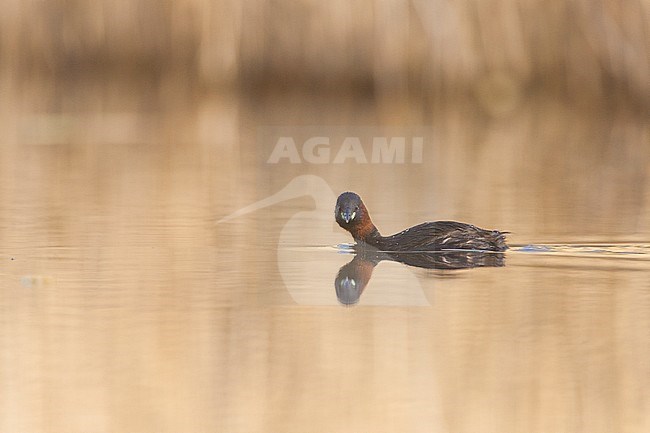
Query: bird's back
{"x": 444, "y": 235}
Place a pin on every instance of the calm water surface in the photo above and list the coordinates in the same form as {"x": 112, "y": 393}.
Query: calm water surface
{"x": 125, "y": 305}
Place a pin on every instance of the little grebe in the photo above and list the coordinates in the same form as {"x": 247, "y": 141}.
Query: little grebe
{"x": 352, "y": 215}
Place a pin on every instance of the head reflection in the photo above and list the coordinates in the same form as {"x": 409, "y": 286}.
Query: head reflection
{"x": 353, "y": 277}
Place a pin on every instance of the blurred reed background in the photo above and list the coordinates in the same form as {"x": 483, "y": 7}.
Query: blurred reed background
{"x": 540, "y": 109}
{"x": 582, "y": 50}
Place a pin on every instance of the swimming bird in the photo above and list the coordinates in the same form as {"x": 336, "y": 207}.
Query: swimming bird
{"x": 352, "y": 215}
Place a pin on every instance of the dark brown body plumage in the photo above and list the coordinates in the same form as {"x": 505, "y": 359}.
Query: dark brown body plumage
{"x": 352, "y": 215}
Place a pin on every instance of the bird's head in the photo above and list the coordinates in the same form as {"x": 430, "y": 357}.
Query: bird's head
{"x": 351, "y": 214}
{"x": 349, "y": 210}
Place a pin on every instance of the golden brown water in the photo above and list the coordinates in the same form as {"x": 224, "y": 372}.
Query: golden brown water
{"x": 126, "y": 307}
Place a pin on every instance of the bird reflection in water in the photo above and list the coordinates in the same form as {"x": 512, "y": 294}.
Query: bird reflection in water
{"x": 353, "y": 277}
